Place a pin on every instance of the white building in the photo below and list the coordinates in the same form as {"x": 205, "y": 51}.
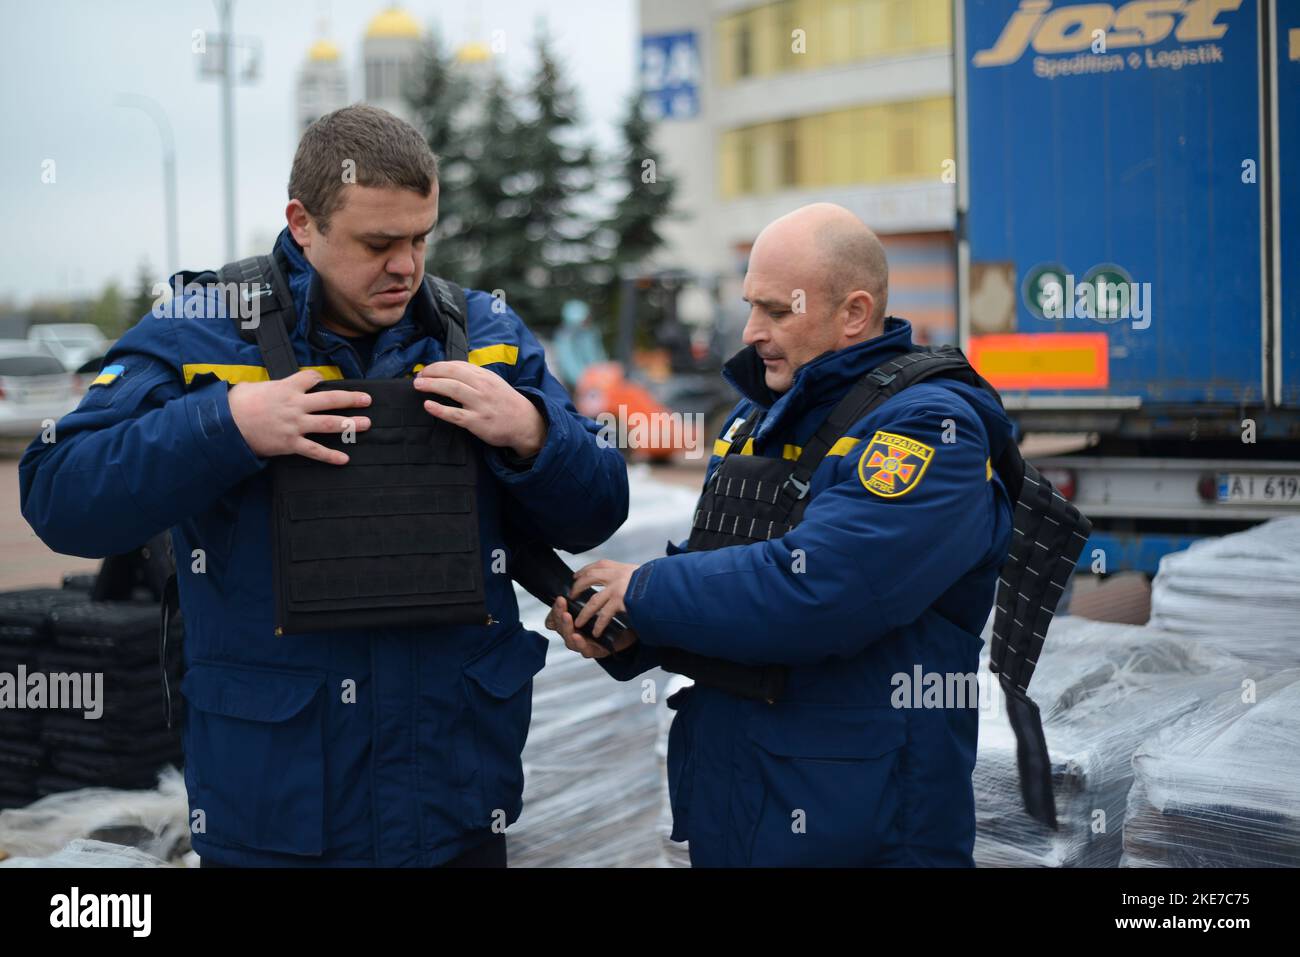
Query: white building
{"x": 390, "y": 54}
{"x": 322, "y": 84}
{"x": 766, "y": 106}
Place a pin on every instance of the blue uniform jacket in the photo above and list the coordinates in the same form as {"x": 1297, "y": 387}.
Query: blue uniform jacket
{"x": 884, "y": 577}
{"x": 384, "y": 747}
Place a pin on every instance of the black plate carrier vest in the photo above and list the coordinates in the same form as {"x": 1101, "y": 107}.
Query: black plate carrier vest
{"x": 391, "y": 539}
{"x": 752, "y": 498}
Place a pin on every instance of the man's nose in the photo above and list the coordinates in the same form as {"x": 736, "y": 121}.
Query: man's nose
{"x": 755, "y": 328}
{"x": 401, "y": 264}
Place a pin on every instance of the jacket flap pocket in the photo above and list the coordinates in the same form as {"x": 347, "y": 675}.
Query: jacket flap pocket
{"x": 508, "y": 665}
{"x": 824, "y": 731}
{"x": 248, "y": 693}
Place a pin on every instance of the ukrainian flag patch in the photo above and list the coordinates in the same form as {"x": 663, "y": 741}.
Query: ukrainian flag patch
{"x": 108, "y": 375}
{"x": 892, "y": 465}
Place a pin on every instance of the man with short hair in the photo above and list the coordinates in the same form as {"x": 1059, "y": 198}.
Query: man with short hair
{"x": 847, "y": 540}
{"x": 339, "y": 745}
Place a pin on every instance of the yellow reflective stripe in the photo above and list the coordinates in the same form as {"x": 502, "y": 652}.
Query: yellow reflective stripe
{"x": 988, "y": 469}
{"x": 720, "y": 447}
{"x": 843, "y": 446}
{"x": 235, "y": 374}
{"x": 792, "y": 452}
{"x": 489, "y": 354}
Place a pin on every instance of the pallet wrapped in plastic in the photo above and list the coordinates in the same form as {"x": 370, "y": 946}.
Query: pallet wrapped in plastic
{"x": 154, "y": 820}
{"x": 1103, "y": 689}
{"x": 1239, "y": 593}
{"x": 1221, "y": 786}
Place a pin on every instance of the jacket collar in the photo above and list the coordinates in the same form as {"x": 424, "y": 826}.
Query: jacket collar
{"x": 308, "y": 296}
{"x": 825, "y": 378}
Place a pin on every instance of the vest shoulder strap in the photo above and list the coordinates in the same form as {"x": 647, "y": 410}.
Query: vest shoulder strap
{"x": 869, "y": 393}
{"x": 452, "y": 306}
{"x": 258, "y": 279}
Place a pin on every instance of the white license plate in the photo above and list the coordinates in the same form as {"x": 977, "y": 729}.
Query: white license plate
{"x": 1243, "y": 488}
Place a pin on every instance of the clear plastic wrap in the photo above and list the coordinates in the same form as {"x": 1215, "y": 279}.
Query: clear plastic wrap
{"x": 1239, "y": 593}
{"x": 153, "y": 821}
{"x": 594, "y": 786}
{"x": 1221, "y": 786}
{"x": 87, "y": 853}
{"x": 1102, "y": 689}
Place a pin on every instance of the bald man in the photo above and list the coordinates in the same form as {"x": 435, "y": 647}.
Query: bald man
{"x": 830, "y": 598}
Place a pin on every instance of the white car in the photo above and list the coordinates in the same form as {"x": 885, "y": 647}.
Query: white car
{"x": 34, "y": 387}
{"x": 72, "y": 343}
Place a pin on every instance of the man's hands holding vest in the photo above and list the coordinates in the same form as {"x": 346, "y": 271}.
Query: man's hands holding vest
{"x": 491, "y": 408}
{"x": 275, "y": 417}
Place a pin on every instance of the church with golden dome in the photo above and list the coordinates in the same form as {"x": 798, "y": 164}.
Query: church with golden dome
{"x": 390, "y": 52}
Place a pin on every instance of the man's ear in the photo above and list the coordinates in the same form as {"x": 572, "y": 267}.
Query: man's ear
{"x": 858, "y": 309}
{"x": 302, "y": 226}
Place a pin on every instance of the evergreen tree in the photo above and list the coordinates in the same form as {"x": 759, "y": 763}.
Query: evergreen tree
{"x": 481, "y": 238}
{"x": 142, "y": 303}
{"x": 556, "y": 174}
{"x": 437, "y": 100}
{"x": 632, "y": 229}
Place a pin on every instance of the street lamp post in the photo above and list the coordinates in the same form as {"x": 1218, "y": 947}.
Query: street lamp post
{"x": 156, "y": 113}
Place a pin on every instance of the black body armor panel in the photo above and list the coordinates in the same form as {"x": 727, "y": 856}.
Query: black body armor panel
{"x": 391, "y": 539}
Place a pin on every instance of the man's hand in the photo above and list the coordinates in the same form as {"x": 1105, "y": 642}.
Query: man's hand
{"x": 275, "y": 417}
{"x": 491, "y": 408}
{"x": 607, "y": 602}
{"x": 560, "y": 621}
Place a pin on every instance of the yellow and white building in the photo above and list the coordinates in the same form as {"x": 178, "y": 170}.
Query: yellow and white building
{"x": 798, "y": 101}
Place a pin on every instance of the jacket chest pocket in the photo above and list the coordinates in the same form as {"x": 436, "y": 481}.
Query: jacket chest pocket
{"x": 255, "y": 762}
{"x": 831, "y": 794}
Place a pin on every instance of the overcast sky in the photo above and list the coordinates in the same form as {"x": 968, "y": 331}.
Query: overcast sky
{"x": 62, "y": 63}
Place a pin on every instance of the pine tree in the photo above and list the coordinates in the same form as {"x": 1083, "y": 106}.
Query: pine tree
{"x": 437, "y": 100}
{"x": 632, "y": 229}
{"x": 556, "y": 172}
{"x": 481, "y": 240}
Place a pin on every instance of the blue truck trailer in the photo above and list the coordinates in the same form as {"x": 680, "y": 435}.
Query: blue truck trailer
{"x": 1129, "y": 253}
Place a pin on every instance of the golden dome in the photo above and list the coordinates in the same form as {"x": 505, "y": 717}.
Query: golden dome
{"x": 473, "y": 53}
{"x": 323, "y": 50}
{"x": 394, "y": 22}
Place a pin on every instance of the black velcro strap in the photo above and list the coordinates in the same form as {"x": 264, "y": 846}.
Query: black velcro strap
{"x": 1032, "y": 758}
{"x": 1047, "y": 537}
{"x": 764, "y": 683}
